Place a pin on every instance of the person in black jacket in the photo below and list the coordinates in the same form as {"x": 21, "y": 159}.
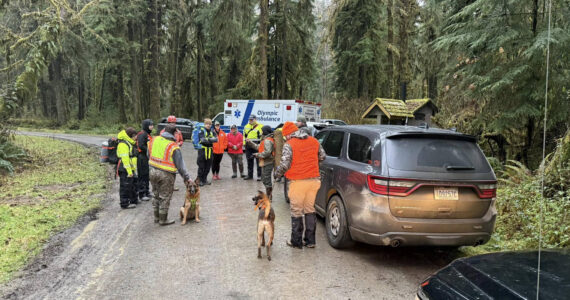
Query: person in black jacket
{"x": 207, "y": 138}
{"x": 143, "y": 137}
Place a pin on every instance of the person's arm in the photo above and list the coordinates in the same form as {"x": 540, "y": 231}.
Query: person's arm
{"x": 214, "y": 139}
{"x": 286, "y": 158}
{"x": 179, "y": 137}
{"x": 322, "y": 153}
{"x": 180, "y": 165}
{"x": 267, "y": 149}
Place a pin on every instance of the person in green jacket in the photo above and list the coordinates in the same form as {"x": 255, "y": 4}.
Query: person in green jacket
{"x": 127, "y": 168}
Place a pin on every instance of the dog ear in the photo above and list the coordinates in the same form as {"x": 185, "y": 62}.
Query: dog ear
{"x": 260, "y": 192}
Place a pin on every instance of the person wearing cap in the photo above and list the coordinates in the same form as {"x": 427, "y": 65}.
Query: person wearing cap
{"x": 300, "y": 165}
{"x": 207, "y": 138}
{"x": 142, "y": 139}
{"x": 178, "y": 134}
{"x": 235, "y": 151}
{"x": 266, "y": 155}
{"x": 251, "y": 132}
{"x": 302, "y": 125}
{"x": 219, "y": 148}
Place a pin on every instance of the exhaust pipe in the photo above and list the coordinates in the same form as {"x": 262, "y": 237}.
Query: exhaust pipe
{"x": 478, "y": 243}
{"x": 395, "y": 243}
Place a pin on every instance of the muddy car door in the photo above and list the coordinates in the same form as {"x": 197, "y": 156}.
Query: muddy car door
{"x": 332, "y": 141}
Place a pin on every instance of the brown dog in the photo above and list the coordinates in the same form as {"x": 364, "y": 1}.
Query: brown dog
{"x": 192, "y": 199}
{"x": 265, "y": 222}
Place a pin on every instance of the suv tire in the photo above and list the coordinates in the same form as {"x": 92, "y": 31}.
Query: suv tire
{"x": 337, "y": 225}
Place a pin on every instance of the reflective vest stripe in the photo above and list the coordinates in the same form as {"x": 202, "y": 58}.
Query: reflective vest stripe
{"x": 161, "y": 151}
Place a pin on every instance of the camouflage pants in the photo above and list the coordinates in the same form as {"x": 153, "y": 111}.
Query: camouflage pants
{"x": 162, "y": 187}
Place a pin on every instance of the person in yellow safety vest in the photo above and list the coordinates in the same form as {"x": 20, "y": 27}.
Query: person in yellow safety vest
{"x": 127, "y": 168}
{"x": 207, "y": 138}
{"x": 252, "y": 131}
{"x": 165, "y": 159}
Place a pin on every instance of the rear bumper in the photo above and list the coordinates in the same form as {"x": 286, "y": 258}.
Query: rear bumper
{"x": 371, "y": 222}
{"x": 420, "y": 238}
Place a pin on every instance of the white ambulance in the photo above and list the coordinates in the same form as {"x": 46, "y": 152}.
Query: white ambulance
{"x": 268, "y": 112}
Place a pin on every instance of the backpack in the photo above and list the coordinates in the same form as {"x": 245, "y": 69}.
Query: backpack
{"x": 196, "y": 135}
{"x": 109, "y": 151}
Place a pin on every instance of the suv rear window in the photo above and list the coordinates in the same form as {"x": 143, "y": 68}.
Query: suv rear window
{"x": 435, "y": 154}
{"x": 359, "y": 148}
{"x": 333, "y": 143}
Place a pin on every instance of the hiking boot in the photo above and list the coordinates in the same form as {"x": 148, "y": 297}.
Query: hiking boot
{"x": 296, "y": 233}
{"x": 163, "y": 220}
{"x": 242, "y": 175}
{"x": 234, "y": 176}
{"x": 130, "y": 206}
{"x": 247, "y": 178}
{"x": 310, "y": 227}
{"x": 258, "y": 178}
{"x": 293, "y": 246}
{"x": 145, "y": 198}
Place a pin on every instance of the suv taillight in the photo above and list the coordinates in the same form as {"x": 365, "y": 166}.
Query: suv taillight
{"x": 392, "y": 187}
{"x": 487, "y": 191}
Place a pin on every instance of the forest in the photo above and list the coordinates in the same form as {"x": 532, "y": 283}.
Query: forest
{"x": 88, "y": 64}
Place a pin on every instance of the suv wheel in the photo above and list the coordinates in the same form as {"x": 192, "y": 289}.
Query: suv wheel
{"x": 337, "y": 225}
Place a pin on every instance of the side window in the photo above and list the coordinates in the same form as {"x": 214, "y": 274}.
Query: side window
{"x": 333, "y": 143}
{"x": 321, "y": 136}
{"x": 359, "y": 148}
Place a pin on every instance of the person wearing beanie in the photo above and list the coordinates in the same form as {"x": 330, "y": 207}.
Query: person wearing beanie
{"x": 207, "y": 138}
{"x": 219, "y": 148}
{"x": 142, "y": 139}
{"x": 235, "y": 151}
{"x": 127, "y": 168}
{"x": 300, "y": 165}
{"x": 266, "y": 154}
{"x": 251, "y": 132}
{"x": 302, "y": 124}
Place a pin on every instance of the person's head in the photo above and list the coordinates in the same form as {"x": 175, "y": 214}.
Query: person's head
{"x": 208, "y": 123}
{"x": 288, "y": 129}
{"x": 131, "y": 132}
{"x": 170, "y": 128}
{"x": 217, "y": 126}
{"x": 147, "y": 125}
{"x": 233, "y": 129}
{"x": 301, "y": 121}
{"x": 266, "y": 130}
{"x": 252, "y": 119}
{"x": 171, "y": 119}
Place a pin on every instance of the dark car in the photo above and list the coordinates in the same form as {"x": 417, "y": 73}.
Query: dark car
{"x": 503, "y": 275}
{"x": 185, "y": 126}
{"x": 404, "y": 185}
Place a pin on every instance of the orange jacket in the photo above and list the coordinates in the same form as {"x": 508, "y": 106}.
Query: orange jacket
{"x": 222, "y": 143}
{"x": 305, "y": 160}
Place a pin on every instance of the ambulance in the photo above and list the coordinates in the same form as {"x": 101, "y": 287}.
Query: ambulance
{"x": 268, "y": 112}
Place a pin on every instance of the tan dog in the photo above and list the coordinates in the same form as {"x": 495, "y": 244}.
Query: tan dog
{"x": 192, "y": 198}
{"x": 265, "y": 222}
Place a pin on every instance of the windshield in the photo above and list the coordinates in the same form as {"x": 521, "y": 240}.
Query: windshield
{"x": 429, "y": 154}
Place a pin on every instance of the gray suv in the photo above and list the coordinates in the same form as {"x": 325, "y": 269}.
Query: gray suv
{"x": 403, "y": 185}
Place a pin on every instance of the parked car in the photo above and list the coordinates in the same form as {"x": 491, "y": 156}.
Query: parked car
{"x": 502, "y": 275}
{"x": 316, "y": 127}
{"x": 334, "y": 121}
{"x": 186, "y": 126}
{"x": 404, "y": 185}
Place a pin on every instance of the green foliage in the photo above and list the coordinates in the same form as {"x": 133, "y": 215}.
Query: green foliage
{"x": 557, "y": 170}
{"x": 62, "y": 183}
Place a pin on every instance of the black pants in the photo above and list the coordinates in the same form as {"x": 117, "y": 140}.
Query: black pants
{"x": 250, "y": 158}
{"x": 204, "y": 164}
{"x": 127, "y": 188}
{"x": 216, "y": 163}
{"x": 143, "y": 179}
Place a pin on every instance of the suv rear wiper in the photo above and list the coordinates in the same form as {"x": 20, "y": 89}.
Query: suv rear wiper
{"x": 459, "y": 168}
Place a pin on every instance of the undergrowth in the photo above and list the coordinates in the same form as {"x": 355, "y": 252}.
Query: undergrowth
{"x": 60, "y": 182}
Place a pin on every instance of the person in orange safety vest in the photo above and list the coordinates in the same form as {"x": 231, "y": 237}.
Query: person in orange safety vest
{"x": 300, "y": 165}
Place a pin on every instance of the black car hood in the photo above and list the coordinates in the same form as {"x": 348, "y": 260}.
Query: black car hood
{"x": 505, "y": 275}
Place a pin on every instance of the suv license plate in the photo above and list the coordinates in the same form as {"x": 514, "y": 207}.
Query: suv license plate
{"x": 448, "y": 193}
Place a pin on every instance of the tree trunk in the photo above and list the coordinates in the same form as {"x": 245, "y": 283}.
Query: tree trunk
{"x": 528, "y": 142}
{"x": 284, "y": 93}
{"x": 534, "y": 16}
{"x": 119, "y": 95}
{"x": 390, "y": 59}
{"x": 135, "y": 76}
{"x": 199, "y": 71}
{"x": 263, "y": 22}
{"x": 56, "y": 79}
{"x": 81, "y": 95}
{"x": 174, "y": 105}
{"x": 152, "y": 23}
